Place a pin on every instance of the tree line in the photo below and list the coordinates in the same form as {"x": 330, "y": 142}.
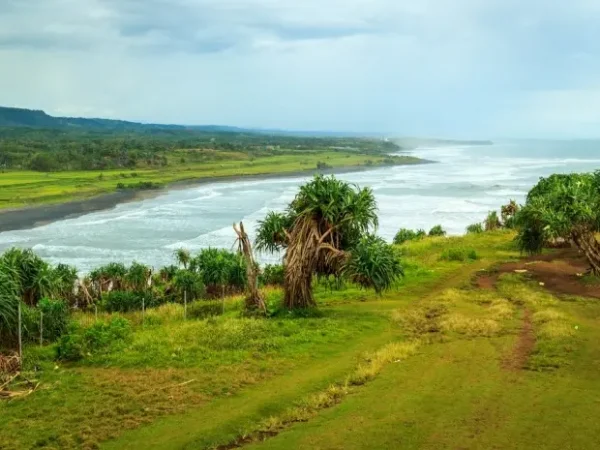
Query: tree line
{"x": 49, "y": 150}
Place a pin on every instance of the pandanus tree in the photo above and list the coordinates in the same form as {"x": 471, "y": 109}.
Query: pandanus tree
{"x": 325, "y": 231}
{"x": 10, "y": 288}
{"x": 35, "y": 277}
{"x": 563, "y": 207}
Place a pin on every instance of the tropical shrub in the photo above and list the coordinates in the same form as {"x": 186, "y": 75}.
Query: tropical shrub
{"x": 204, "y": 308}
{"x": 373, "y": 264}
{"x": 404, "y": 234}
{"x": 101, "y": 337}
{"x": 475, "y": 228}
{"x": 437, "y": 231}
{"x": 221, "y": 271}
{"x": 126, "y": 301}
{"x": 272, "y": 275}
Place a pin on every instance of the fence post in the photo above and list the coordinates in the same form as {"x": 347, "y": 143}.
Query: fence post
{"x": 20, "y": 338}
{"x": 41, "y": 328}
{"x": 184, "y": 305}
{"x": 143, "y": 312}
{"x": 96, "y": 308}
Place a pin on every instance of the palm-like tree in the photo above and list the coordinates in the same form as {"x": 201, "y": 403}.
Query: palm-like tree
{"x": 183, "y": 257}
{"x": 324, "y": 231}
{"x": 137, "y": 277}
{"x": 563, "y": 207}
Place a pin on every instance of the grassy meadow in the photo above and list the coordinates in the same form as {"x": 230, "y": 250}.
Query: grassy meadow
{"x": 434, "y": 363}
{"x": 19, "y": 188}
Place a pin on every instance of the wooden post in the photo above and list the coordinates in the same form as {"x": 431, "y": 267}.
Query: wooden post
{"x": 96, "y": 309}
{"x": 41, "y": 328}
{"x": 20, "y": 339}
{"x": 185, "y": 305}
{"x": 143, "y": 312}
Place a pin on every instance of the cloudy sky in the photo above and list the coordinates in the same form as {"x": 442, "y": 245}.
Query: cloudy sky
{"x": 480, "y": 68}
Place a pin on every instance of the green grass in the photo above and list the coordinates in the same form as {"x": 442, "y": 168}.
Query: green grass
{"x": 419, "y": 367}
{"x": 24, "y": 188}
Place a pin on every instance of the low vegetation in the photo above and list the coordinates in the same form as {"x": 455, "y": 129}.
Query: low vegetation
{"x": 440, "y": 326}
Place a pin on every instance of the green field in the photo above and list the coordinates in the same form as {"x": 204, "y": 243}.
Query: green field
{"x": 434, "y": 363}
{"x": 27, "y": 188}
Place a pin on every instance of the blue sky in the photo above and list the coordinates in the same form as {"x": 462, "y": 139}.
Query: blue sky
{"x": 456, "y": 68}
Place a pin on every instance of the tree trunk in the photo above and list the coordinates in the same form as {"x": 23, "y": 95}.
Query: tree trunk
{"x": 301, "y": 260}
{"x": 254, "y": 298}
{"x": 298, "y": 290}
{"x": 587, "y": 243}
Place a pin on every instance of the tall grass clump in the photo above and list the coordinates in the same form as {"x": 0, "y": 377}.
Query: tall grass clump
{"x": 459, "y": 254}
{"x": 475, "y": 228}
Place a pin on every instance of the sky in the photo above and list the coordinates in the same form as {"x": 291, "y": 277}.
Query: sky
{"x": 453, "y": 68}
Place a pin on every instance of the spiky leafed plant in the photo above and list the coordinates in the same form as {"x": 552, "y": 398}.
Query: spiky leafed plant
{"x": 492, "y": 222}
{"x": 563, "y": 206}
{"x": 9, "y": 298}
{"x": 66, "y": 279}
{"x": 219, "y": 269}
{"x": 321, "y": 227}
{"x": 183, "y": 257}
{"x": 373, "y": 263}
{"x": 36, "y": 278}
{"x": 109, "y": 276}
{"x": 137, "y": 277}
{"x": 188, "y": 284}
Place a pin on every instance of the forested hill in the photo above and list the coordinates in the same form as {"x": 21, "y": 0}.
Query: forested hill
{"x": 20, "y": 117}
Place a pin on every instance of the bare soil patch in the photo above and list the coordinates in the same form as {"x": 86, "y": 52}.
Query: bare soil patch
{"x": 519, "y": 355}
{"x": 560, "y": 272}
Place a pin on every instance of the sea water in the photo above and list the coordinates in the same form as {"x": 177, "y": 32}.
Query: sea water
{"x": 464, "y": 184}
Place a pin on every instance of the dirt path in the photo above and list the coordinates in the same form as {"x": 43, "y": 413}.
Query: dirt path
{"x": 519, "y": 355}
{"x": 560, "y": 272}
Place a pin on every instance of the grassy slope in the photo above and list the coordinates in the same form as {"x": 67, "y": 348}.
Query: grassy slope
{"x": 453, "y": 394}
{"x": 23, "y": 188}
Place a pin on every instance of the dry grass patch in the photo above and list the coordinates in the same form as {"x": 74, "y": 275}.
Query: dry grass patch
{"x": 469, "y": 326}
{"x": 393, "y": 352}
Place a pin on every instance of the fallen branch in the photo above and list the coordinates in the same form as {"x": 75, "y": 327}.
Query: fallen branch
{"x": 9, "y": 381}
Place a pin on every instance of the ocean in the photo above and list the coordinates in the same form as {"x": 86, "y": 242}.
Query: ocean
{"x": 464, "y": 184}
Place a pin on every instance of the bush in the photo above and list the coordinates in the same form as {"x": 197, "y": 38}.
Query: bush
{"x": 475, "y": 228}
{"x": 101, "y": 337}
{"x": 437, "y": 231}
{"x": 459, "y": 254}
{"x": 125, "y": 301}
{"x": 272, "y": 275}
{"x": 204, "y": 308}
{"x": 55, "y": 318}
{"x": 403, "y": 235}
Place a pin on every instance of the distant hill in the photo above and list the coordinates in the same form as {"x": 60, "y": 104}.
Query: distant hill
{"x": 21, "y": 117}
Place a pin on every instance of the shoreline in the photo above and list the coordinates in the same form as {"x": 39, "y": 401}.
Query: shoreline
{"x": 39, "y": 215}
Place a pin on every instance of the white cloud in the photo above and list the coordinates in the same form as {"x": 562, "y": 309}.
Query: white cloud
{"x": 462, "y": 67}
